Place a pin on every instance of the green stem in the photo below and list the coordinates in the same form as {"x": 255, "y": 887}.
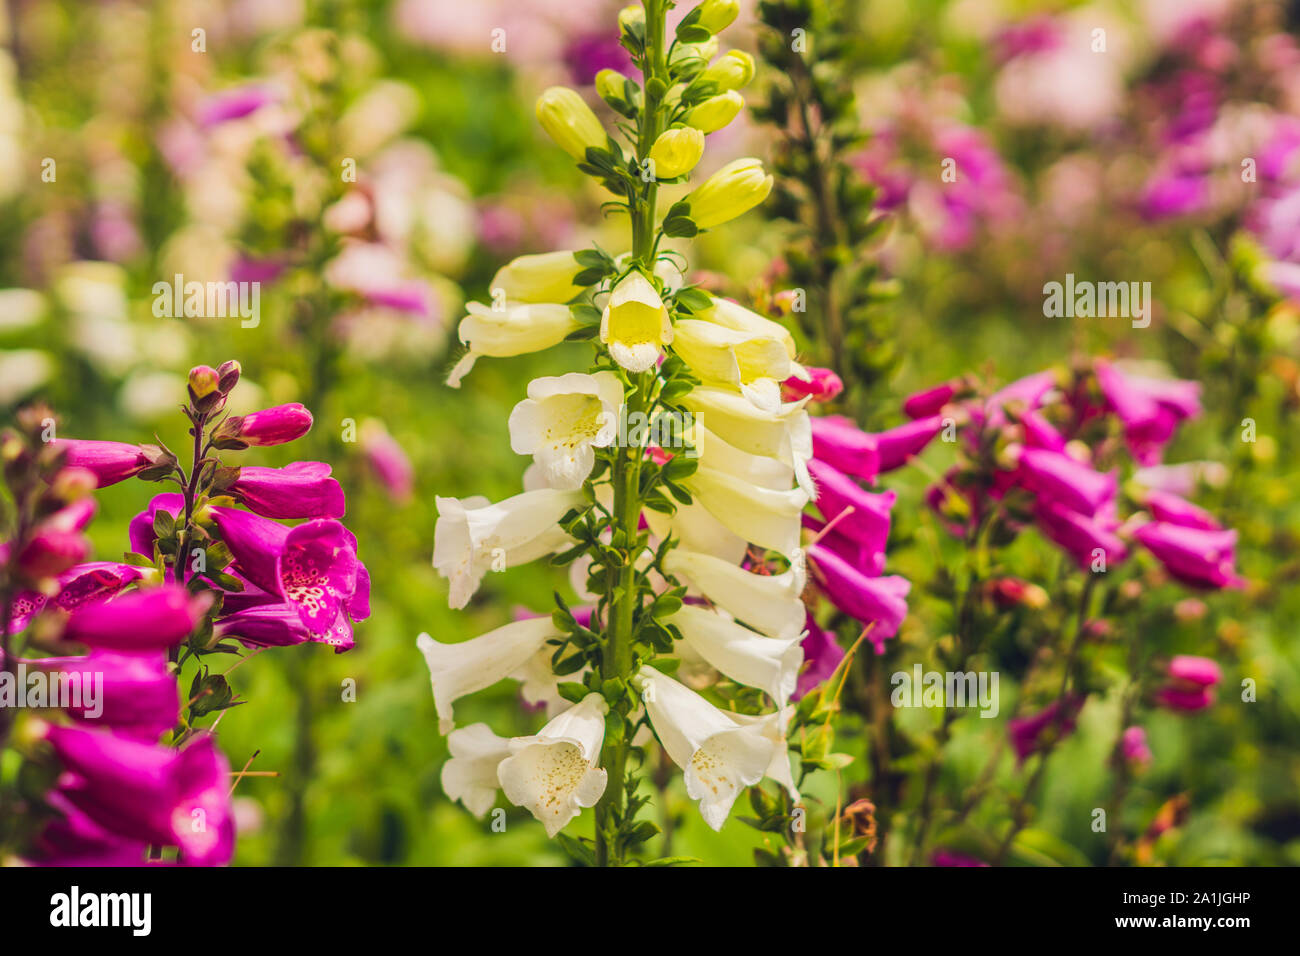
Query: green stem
{"x": 616, "y": 658}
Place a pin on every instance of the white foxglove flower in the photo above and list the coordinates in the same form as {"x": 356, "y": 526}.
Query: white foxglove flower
{"x": 765, "y": 516}
{"x": 472, "y": 535}
{"x": 470, "y": 776}
{"x": 769, "y": 603}
{"x": 719, "y": 757}
{"x": 735, "y": 316}
{"x": 459, "y": 669}
{"x": 755, "y": 660}
{"x": 752, "y": 362}
{"x": 563, "y": 420}
{"x": 773, "y": 726}
{"x": 508, "y": 331}
{"x": 756, "y": 469}
{"x": 635, "y": 325}
{"x": 784, "y": 433}
{"x": 697, "y": 530}
{"x": 545, "y": 277}
{"x": 553, "y": 774}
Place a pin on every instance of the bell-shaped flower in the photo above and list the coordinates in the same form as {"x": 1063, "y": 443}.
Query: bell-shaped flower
{"x": 895, "y": 446}
{"x": 281, "y": 625}
{"x": 1199, "y": 557}
{"x": 868, "y": 520}
{"x": 75, "y": 587}
{"x": 783, "y": 433}
{"x": 563, "y": 420}
{"x": 821, "y": 385}
{"x": 1168, "y": 507}
{"x": 1149, "y": 408}
{"x": 764, "y": 516}
{"x": 473, "y": 535}
{"x": 1056, "y": 720}
{"x": 508, "y": 331}
{"x": 755, "y": 363}
{"x": 1191, "y": 684}
{"x": 303, "y": 489}
{"x": 1059, "y": 478}
{"x": 1086, "y": 538}
{"x": 769, "y": 663}
{"x": 773, "y": 726}
{"x": 554, "y": 773}
{"x": 822, "y": 655}
{"x": 470, "y": 775}
{"x": 841, "y": 444}
{"x": 456, "y": 670}
{"x": 635, "y": 325}
{"x": 140, "y": 530}
{"x": 545, "y": 277}
{"x": 767, "y": 602}
{"x": 149, "y": 792}
{"x": 144, "y": 620}
{"x": 719, "y": 757}
{"x": 930, "y": 401}
{"x": 732, "y": 71}
{"x": 880, "y": 602}
{"x": 312, "y": 566}
{"x": 697, "y": 531}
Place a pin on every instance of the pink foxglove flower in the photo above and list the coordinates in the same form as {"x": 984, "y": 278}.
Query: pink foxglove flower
{"x": 109, "y": 461}
{"x": 150, "y": 619}
{"x": 1191, "y": 686}
{"x": 303, "y": 489}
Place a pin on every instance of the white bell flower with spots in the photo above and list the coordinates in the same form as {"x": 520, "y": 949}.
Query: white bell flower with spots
{"x": 719, "y": 757}
{"x": 561, "y": 422}
{"x": 553, "y": 773}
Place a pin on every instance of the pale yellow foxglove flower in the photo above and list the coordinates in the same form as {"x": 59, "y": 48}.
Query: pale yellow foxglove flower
{"x": 716, "y": 112}
{"x": 563, "y": 420}
{"x": 569, "y": 121}
{"x": 545, "y": 277}
{"x": 508, "y": 331}
{"x": 635, "y": 324}
{"x": 769, "y": 663}
{"x": 676, "y": 152}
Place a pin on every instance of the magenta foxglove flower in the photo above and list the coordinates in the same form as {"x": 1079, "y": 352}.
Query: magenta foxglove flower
{"x": 388, "y": 461}
{"x": 150, "y": 619}
{"x": 822, "y": 386}
{"x": 1176, "y": 510}
{"x": 896, "y": 445}
{"x": 929, "y": 402}
{"x": 841, "y": 444}
{"x": 135, "y": 694}
{"x": 74, "y": 839}
{"x": 1082, "y": 537}
{"x": 1198, "y": 557}
{"x": 109, "y": 461}
{"x": 1191, "y": 685}
{"x": 51, "y": 551}
{"x": 1040, "y": 433}
{"x": 303, "y": 489}
{"x": 281, "y": 625}
{"x": 75, "y": 587}
{"x": 868, "y": 522}
{"x": 821, "y": 655}
{"x": 1149, "y": 408}
{"x": 1027, "y": 392}
{"x": 1133, "y": 746}
{"x": 313, "y": 567}
{"x": 148, "y": 792}
{"x": 1061, "y": 479}
{"x": 1028, "y": 734}
{"x": 880, "y": 602}
{"x": 270, "y": 426}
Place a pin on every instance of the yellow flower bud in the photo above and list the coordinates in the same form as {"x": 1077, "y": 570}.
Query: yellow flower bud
{"x": 730, "y": 192}
{"x": 716, "y": 112}
{"x": 546, "y": 277}
{"x": 731, "y": 72}
{"x": 632, "y": 13}
{"x": 676, "y": 152}
{"x": 716, "y": 15}
{"x": 705, "y": 50}
{"x": 569, "y": 121}
{"x": 609, "y": 84}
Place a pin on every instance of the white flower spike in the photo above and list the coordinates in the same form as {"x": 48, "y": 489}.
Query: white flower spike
{"x": 755, "y": 660}
{"x": 553, "y": 774}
